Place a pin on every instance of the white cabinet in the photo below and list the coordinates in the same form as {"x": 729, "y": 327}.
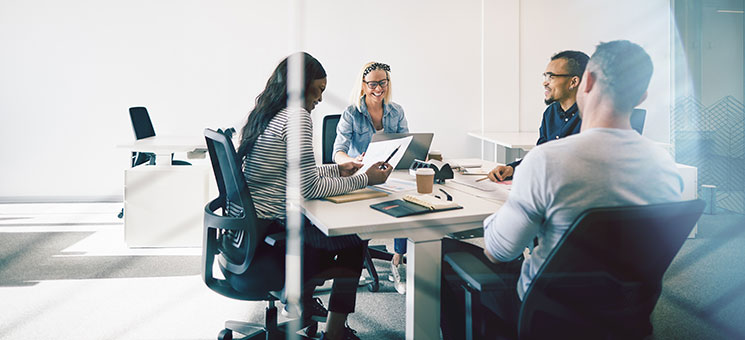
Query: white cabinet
{"x": 690, "y": 187}
{"x": 164, "y": 205}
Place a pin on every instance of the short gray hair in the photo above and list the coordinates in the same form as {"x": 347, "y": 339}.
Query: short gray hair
{"x": 624, "y": 69}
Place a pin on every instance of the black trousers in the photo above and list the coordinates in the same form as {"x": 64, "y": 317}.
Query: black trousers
{"x": 499, "y": 310}
{"x": 338, "y": 258}
{"x": 343, "y": 265}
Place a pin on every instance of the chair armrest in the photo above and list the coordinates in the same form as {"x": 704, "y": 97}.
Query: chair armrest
{"x": 215, "y": 221}
{"x": 276, "y": 239}
{"x": 474, "y": 272}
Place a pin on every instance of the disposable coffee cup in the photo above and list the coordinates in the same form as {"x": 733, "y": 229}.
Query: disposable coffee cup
{"x": 425, "y": 179}
{"x": 435, "y": 154}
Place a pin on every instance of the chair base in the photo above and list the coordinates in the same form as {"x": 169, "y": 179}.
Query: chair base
{"x": 270, "y": 330}
{"x": 380, "y": 252}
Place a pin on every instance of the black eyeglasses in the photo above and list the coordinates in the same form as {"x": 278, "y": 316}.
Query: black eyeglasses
{"x": 548, "y": 76}
{"x": 373, "y": 84}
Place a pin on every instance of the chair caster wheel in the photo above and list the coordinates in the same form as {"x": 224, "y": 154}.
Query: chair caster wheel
{"x": 373, "y": 286}
{"x": 312, "y": 330}
{"x": 225, "y": 334}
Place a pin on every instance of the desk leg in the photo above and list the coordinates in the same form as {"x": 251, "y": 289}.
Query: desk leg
{"x": 163, "y": 159}
{"x": 423, "y": 290}
{"x": 512, "y": 154}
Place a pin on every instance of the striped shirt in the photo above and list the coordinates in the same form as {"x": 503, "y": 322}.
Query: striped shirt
{"x": 265, "y": 168}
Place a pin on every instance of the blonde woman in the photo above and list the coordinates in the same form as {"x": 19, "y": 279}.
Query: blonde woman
{"x": 371, "y": 111}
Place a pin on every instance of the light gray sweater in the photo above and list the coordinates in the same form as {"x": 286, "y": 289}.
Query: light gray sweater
{"x": 560, "y": 179}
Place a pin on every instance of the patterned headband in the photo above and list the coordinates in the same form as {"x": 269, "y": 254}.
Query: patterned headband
{"x": 376, "y": 66}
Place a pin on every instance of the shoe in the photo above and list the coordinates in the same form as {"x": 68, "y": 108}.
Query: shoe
{"x": 395, "y": 277}
{"x": 313, "y": 310}
{"x": 349, "y": 334}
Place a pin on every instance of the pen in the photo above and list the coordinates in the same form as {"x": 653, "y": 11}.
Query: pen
{"x": 450, "y": 198}
{"x": 482, "y": 179}
{"x": 391, "y": 156}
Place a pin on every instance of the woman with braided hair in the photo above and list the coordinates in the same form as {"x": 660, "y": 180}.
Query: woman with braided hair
{"x": 371, "y": 111}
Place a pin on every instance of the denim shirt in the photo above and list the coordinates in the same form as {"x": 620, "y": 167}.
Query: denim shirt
{"x": 355, "y": 129}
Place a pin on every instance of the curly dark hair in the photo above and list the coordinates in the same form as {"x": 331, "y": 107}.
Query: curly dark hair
{"x": 274, "y": 98}
{"x": 576, "y": 61}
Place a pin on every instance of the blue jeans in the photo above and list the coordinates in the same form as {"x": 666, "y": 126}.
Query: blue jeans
{"x": 399, "y": 245}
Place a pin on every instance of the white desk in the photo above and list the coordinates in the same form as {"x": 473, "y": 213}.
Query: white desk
{"x": 424, "y": 233}
{"x": 516, "y": 144}
{"x": 164, "y": 204}
{"x": 164, "y": 146}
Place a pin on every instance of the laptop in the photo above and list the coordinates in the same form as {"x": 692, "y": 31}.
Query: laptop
{"x": 418, "y": 148}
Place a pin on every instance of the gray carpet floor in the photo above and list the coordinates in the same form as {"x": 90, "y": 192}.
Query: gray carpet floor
{"x": 65, "y": 273}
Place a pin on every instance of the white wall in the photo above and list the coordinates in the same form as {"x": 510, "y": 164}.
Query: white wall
{"x": 550, "y": 26}
{"x": 433, "y": 52}
{"x": 69, "y": 71}
{"x": 502, "y": 66}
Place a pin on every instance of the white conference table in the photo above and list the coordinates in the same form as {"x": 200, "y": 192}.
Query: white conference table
{"x": 424, "y": 233}
{"x": 164, "y": 204}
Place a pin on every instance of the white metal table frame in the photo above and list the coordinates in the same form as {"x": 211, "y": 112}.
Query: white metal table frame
{"x": 424, "y": 233}
{"x": 164, "y": 146}
{"x": 515, "y": 144}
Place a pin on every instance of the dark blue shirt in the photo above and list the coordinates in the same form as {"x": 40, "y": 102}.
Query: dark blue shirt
{"x": 556, "y": 124}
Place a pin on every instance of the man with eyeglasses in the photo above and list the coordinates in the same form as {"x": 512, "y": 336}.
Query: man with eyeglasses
{"x": 556, "y": 183}
{"x": 560, "y": 80}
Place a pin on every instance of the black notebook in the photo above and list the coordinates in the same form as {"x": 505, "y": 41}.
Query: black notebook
{"x": 401, "y": 208}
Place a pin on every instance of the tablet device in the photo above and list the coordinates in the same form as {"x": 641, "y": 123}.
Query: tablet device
{"x": 418, "y": 148}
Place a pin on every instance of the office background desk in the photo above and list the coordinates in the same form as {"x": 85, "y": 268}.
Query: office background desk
{"x": 164, "y": 146}
{"x": 424, "y": 233}
{"x": 512, "y": 144}
{"x": 164, "y": 204}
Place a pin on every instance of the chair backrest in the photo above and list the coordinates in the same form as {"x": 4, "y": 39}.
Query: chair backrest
{"x": 241, "y": 232}
{"x": 604, "y": 276}
{"x": 637, "y": 120}
{"x": 141, "y": 123}
{"x": 143, "y": 128}
{"x": 329, "y": 136}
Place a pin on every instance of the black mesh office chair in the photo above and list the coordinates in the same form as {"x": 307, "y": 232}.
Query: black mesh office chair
{"x": 251, "y": 261}
{"x": 329, "y": 136}
{"x": 374, "y": 252}
{"x": 637, "y": 119}
{"x": 602, "y": 279}
{"x": 143, "y": 128}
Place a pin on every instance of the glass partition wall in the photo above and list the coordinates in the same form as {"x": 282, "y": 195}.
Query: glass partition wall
{"x": 707, "y": 119}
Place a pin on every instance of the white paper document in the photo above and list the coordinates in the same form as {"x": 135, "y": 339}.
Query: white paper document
{"x": 380, "y": 151}
{"x": 476, "y": 171}
{"x": 498, "y": 191}
{"x": 484, "y": 185}
{"x": 396, "y": 185}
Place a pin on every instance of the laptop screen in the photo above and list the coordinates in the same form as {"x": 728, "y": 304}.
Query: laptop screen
{"x": 418, "y": 148}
